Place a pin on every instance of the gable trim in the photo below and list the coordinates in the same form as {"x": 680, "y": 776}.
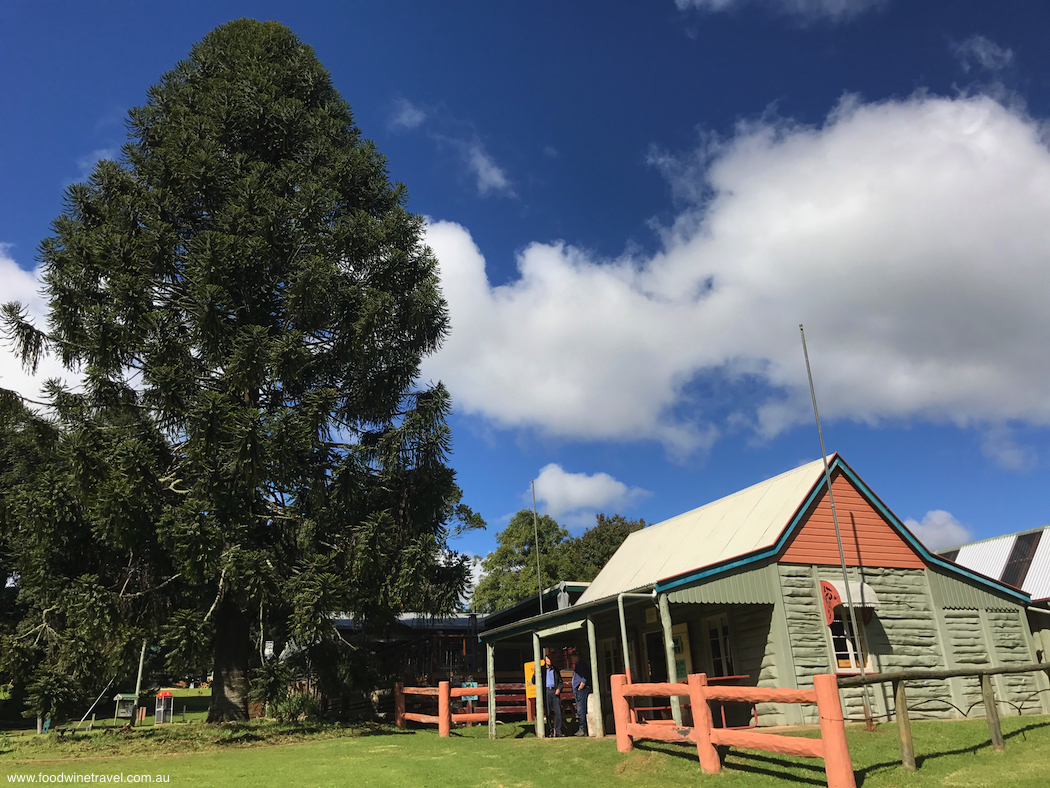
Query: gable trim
{"x": 687, "y": 578}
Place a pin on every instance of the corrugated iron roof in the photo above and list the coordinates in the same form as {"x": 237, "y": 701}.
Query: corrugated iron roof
{"x": 989, "y": 557}
{"x": 741, "y": 523}
{"x": 1038, "y": 581}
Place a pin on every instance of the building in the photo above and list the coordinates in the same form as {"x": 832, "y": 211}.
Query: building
{"x": 1021, "y": 560}
{"x": 749, "y": 589}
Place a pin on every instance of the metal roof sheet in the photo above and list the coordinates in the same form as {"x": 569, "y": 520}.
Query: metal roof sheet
{"x": 748, "y": 520}
{"x": 1037, "y": 583}
{"x": 988, "y": 557}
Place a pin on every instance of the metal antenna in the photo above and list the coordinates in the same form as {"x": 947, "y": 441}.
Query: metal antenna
{"x": 838, "y": 533}
{"x": 536, "y": 532}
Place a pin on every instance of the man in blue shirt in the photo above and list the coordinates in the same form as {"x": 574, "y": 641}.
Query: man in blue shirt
{"x": 581, "y": 688}
{"x": 552, "y": 697}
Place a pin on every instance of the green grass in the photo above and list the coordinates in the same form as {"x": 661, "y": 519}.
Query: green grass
{"x": 949, "y": 754}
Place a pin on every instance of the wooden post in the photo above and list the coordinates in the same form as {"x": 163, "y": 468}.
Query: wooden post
{"x": 710, "y": 761}
{"x": 621, "y": 712}
{"x": 672, "y": 665}
{"x": 598, "y": 729}
{"x": 490, "y": 670}
{"x": 838, "y": 766}
{"x": 900, "y": 704}
{"x": 399, "y": 704}
{"x": 541, "y": 689}
{"x": 992, "y": 714}
{"x": 444, "y": 710}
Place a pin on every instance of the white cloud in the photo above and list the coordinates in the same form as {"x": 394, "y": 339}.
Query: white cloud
{"x": 1000, "y": 445}
{"x": 489, "y": 176}
{"x": 17, "y": 284}
{"x": 575, "y": 497}
{"x": 985, "y": 52}
{"x": 87, "y": 163}
{"x": 939, "y": 529}
{"x": 833, "y": 9}
{"x": 909, "y": 236}
{"x": 405, "y": 115}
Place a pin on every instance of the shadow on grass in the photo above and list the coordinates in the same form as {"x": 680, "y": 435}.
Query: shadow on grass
{"x": 862, "y": 774}
{"x": 753, "y": 763}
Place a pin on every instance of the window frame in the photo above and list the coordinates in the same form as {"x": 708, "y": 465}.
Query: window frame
{"x": 854, "y": 645}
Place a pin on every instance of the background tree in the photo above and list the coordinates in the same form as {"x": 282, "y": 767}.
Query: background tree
{"x": 510, "y": 570}
{"x": 248, "y": 302}
{"x": 587, "y": 554}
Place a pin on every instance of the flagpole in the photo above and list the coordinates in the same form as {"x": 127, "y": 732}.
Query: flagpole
{"x": 536, "y": 533}
{"x": 838, "y": 533}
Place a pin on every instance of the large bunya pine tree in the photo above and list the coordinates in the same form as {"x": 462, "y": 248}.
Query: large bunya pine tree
{"x": 248, "y": 302}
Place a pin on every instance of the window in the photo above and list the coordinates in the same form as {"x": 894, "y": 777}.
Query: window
{"x": 716, "y": 632}
{"x": 848, "y": 655}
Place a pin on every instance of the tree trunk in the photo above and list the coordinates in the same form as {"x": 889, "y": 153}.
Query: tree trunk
{"x": 232, "y": 649}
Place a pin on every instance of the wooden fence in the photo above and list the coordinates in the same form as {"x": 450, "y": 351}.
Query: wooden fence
{"x": 512, "y": 696}
{"x": 831, "y": 746}
{"x": 898, "y": 678}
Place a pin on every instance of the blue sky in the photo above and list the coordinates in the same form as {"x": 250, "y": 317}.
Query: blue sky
{"x": 635, "y": 205}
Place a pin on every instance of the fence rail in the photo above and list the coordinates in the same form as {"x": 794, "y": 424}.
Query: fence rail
{"x": 831, "y": 746}
{"x": 444, "y": 693}
{"x": 899, "y": 678}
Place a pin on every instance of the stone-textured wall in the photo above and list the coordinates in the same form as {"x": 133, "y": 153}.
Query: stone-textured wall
{"x": 968, "y": 649}
{"x": 903, "y": 634}
{"x": 805, "y": 623}
{"x": 1011, "y": 648}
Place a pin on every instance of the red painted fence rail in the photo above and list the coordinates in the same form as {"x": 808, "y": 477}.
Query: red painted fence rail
{"x": 444, "y": 717}
{"x": 831, "y": 746}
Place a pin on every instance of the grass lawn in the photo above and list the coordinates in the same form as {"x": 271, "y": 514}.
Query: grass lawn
{"x": 949, "y": 753}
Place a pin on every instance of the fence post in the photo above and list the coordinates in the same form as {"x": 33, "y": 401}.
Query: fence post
{"x": 490, "y": 670}
{"x": 710, "y": 761}
{"x": 444, "y": 710}
{"x": 399, "y": 704}
{"x": 621, "y": 712}
{"x": 900, "y": 704}
{"x": 837, "y": 763}
{"x": 992, "y": 713}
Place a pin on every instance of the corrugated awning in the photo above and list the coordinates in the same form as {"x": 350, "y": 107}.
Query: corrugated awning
{"x": 834, "y": 594}
{"x": 861, "y": 594}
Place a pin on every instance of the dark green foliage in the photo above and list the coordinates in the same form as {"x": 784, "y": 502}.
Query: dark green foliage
{"x": 248, "y": 301}
{"x": 510, "y": 570}
{"x": 587, "y": 554}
